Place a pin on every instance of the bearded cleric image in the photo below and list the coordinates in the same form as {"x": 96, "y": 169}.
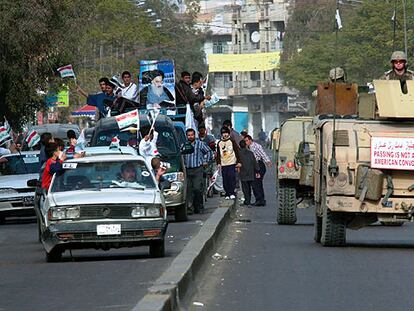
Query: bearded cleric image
{"x": 155, "y": 95}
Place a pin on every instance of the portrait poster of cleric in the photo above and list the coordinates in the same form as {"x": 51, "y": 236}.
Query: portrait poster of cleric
{"x": 157, "y": 81}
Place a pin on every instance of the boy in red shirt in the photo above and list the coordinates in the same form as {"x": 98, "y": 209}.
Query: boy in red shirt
{"x": 53, "y": 164}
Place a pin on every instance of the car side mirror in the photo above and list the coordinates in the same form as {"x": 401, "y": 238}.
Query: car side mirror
{"x": 187, "y": 148}
{"x": 164, "y": 185}
{"x": 32, "y": 183}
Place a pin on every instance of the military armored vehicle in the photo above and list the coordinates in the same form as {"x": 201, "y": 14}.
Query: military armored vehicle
{"x": 294, "y": 148}
{"x": 364, "y": 165}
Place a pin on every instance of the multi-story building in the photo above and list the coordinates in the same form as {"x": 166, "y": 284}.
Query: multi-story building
{"x": 243, "y": 52}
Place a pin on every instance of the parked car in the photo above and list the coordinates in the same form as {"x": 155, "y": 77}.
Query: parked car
{"x": 103, "y": 202}
{"x": 168, "y": 147}
{"x": 16, "y": 197}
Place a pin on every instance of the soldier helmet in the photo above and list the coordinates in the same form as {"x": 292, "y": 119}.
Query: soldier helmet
{"x": 398, "y": 55}
{"x": 336, "y": 73}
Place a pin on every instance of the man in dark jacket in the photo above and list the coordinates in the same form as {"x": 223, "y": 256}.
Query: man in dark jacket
{"x": 248, "y": 171}
{"x": 184, "y": 92}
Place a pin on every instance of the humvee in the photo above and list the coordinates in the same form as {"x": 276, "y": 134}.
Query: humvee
{"x": 364, "y": 165}
{"x": 294, "y": 148}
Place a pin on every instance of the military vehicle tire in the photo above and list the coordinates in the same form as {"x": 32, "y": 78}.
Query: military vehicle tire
{"x": 157, "y": 249}
{"x": 180, "y": 213}
{"x": 318, "y": 229}
{"x": 286, "y": 211}
{"x": 55, "y": 255}
{"x": 333, "y": 228}
{"x": 2, "y": 220}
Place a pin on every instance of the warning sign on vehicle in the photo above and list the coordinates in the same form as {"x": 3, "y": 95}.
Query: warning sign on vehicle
{"x": 395, "y": 153}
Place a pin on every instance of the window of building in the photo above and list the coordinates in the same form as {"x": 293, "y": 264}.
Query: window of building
{"x": 223, "y": 79}
{"x": 255, "y": 75}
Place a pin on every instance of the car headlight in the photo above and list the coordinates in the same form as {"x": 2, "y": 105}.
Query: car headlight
{"x": 146, "y": 211}
{"x": 138, "y": 211}
{"x": 64, "y": 213}
{"x": 73, "y": 212}
{"x": 153, "y": 211}
{"x": 174, "y": 187}
{"x": 7, "y": 191}
{"x": 58, "y": 213}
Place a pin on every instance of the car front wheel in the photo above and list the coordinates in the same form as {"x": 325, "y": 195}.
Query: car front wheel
{"x": 157, "y": 249}
{"x": 55, "y": 255}
{"x": 180, "y": 213}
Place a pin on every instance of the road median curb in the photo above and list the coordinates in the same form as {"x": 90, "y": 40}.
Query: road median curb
{"x": 171, "y": 287}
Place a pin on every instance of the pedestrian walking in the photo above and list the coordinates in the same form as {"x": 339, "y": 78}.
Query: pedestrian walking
{"x": 263, "y": 160}
{"x": 194, "y": 163}
{"x": 233, "y": 133}
{"x": 210, "y": 141}
{"x": 229, "y": 160}
{"x": 249, "y": 171}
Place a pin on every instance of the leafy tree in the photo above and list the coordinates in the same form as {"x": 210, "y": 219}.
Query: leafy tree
{"x": 363, "y": 48}
{"x": 98, "y": 37}
{"x": 37, "y": 37}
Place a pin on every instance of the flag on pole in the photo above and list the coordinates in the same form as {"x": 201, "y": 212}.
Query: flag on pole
{"x": 338, "y": 19}
{"x": 7, "y": 126}
{"x": 80, "y": 142}
{"x": 205, "y": 83}
{"x": 127, "y": 119}
{"x": 4, "y": 135}
{"x": 32, "y": 138}
{"x": 393, "y": 16}
{"x": 115, "y": 143}
{"x": 66, "y": 71}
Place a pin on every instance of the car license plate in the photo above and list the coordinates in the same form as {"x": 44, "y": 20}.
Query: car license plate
{"x": 108, "y": 229}
{"x": 28, "y": 200}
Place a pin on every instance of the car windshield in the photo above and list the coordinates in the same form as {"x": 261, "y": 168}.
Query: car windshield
{"x": 19, "y": 164}
{"x": 181, "y": 135}
{"x": 295, "y": 132}
{"x": 103, "y": 175}
{"x": 166, "y": 142}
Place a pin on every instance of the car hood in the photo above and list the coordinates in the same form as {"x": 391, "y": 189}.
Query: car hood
{"x": 106, "y": 196}
{"x": 16, "y": 181}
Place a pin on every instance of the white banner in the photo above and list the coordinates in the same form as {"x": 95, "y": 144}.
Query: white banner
{"x": 395, "y": 153}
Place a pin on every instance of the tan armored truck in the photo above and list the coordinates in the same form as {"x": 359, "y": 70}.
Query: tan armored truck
{"x": 294, "y": 149}
{"x": 364, "y": 166}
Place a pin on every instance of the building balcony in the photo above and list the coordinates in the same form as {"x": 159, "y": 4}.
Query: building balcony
{"x": 256, "y": 87}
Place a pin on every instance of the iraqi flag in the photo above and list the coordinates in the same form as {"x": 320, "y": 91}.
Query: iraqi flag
{"x": 32, "y": 138}
{"x": 4, "y": 135}
{"x": 115, "y": 143}
{"x": 129, "y": 118}
{"x": 66, "y": 71}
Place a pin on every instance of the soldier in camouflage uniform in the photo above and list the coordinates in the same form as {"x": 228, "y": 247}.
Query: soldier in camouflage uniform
{"x": 399, "y": 70}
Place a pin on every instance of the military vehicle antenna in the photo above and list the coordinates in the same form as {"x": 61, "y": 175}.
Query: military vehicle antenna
{"x": 394, "y": 21}
{"x": 333, "y": 167}
{"x": 405, "y": 26}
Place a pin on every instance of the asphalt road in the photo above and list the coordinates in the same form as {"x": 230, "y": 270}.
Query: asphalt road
{"x": 90, "y": 279}
{"x": 272, "y": 267}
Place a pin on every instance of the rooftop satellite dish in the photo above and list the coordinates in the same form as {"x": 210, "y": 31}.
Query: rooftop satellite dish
{"x": 255, "y": 36}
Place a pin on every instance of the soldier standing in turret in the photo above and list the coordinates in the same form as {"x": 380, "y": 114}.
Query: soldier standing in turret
{"x": 399, "y": 69}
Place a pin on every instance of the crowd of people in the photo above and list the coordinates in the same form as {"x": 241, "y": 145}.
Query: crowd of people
{"x": 239, "y": 159}
{"x": 189, "y": 91}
